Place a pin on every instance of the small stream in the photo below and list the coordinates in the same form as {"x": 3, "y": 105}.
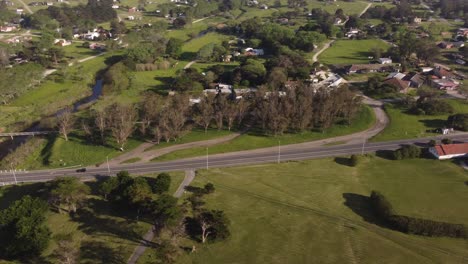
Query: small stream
{"x": 10, "y": 145}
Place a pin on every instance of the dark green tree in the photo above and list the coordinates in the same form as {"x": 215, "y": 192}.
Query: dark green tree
{"x": 162, "y": 183}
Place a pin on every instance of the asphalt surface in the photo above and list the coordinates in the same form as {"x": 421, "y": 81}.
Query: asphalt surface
{"x": 257, "y": 156}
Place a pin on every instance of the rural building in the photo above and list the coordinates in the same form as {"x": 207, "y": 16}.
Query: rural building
{"x": 366, "y": 68}
{"x": 8, "y": 28}
{"x": 385, "y": 61}
{"x": 400, "y": 84}
{"x": 449, "y": 151}
{"x": 396, "y": 75}
{"x": 417, "y": 80}
{"x": 445, "y": 45}
{"x": 62, "y": 42}
{"x": 443, "y": 84}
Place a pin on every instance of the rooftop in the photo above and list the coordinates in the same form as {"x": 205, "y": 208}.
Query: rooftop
{"x": 451, "y": 149}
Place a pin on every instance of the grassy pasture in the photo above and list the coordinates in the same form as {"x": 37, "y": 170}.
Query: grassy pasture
{"x": 351, "y": 51}
{"x": 316, "y": 212}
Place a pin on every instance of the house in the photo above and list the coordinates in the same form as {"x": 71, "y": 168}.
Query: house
{"x": 443, "y": 84}
{"x": 353, "y": 32}
{"x": 426, "y": 69}
{"x": 8, "y": 28}
{"x": 131, "y": 18}
{"x": 449, "y": 151}
{"x": 115, "y": 7}
{"x": 132, "y": 10}
{"x": 442, "y": 73}
{"x": 396, "y": 75}
{"x": 263, "y": 6}
{"x": 338, "y": 21}
{"x": 400, "y": 84}
{"x": 445, "y": 45}
{"x": 62, "y": 42}
{"x": 283, "y": 20}
{"x": 462, "y": 32}
{"x": 254, "y": 52}
{"x": 460, "y": 61}
{"x": 97, "y": 46}
{"x": 385, "y": 61}
{"x": 7, "y": 3}
{"x": 417, "y": 80}
{"x": 365, "y": 68}
{"x": 458, "y": 44}
{"x": 417, "y": 20}
{"x": 226, "y": 58}
{"x": 19, "y": 11}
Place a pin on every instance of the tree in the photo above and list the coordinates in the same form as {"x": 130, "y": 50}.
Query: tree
{"x": 23, "y": 228}
{"x": 65, "y": 122}
{"x": 122, "y": 122}
{"x": 213, "y": 225}
{"x": 458, "y": 121}
{"x": 174, "y": 47}
{"x": 100, "y": 121}
{"x": 68, "y": 191}
{"x": 66, "y": 252}
{"x": 165, "y": 211}
{"x": 204, "y": 112}
{"x": 162, "y": 183}
{"x": 108, "y": 186}
{"x": 137, "y": 194}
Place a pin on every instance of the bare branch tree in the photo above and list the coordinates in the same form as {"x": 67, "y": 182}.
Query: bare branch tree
{"x": 204, "y": 112}
{"x": 100, "y": 120}
{"x": 122, "y": 122}
{"x": 65, "y": 122}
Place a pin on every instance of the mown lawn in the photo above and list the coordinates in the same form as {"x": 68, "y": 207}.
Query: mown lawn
{"x": 103, "y": 235}
{"x": 316, "y": 212}
{"x": 403, "y": 125}
{"x": 248, "y": 141}
{"x": 351, "y": 51}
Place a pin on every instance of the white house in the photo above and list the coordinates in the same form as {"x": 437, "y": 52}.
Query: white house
{"x": 115, "y": 7}
{"x": 385, "y": 61}
{"x": 449, "y": 151}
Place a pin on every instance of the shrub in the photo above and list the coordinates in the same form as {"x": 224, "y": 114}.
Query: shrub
{"x": 446, "y": 141}
{"x": 407, "y": 152}
{"x": 353, "y": 160}
{"x": 458, "y": 121}
{"x": 382, "y": 208}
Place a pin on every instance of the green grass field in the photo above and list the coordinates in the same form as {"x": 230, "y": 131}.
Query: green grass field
{"x": 77, "y": 151}
{"x": 195, "y": 134}
{"x": 403, "y": 125}
{"x": 351, "y": 51}
{"x": 305, "y": 212}
{"x": 252, "y": 141}
{"x": 103, "y": 236}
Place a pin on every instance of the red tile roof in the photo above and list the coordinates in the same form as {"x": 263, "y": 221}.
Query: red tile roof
{"x": 451, "y": 149}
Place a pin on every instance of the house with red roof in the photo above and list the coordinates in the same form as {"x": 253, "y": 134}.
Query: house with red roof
{"x": 449, "y": 151}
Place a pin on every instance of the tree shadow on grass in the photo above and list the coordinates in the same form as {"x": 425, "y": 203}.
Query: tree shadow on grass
{"x": 434, "y": 123}
{"x": 93, "y": 223}
{"x": 360, "y": 205}
{"x": 385, "y": 154}
{"x": 46, "y": 152}
{"x": 94, "y": 252}
{"x": 13, "y": 193}
{"x": 343, "y": 161}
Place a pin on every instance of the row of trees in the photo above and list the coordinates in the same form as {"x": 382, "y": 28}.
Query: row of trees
{"x": 383, "y": 209}
{"x": 169, "y": 118}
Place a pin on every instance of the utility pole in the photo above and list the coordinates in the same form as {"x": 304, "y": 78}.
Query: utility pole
{"x": 108, "y": 168}
{"x": 206, "y": 158}
{"x": 363, "y": 145}
{"x": 14, "y": 174}
{"x": 279, "y": 151}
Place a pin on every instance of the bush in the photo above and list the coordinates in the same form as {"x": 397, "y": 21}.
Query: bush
{"x": 382, "y": 208}
{"x": 407, "y": 152}
{"x": 446, "y": 141}
{"x": 353, "y": 160}
{"x": 458, "y": 121}
{"x": 432, "y": 143}
{"x": 162, "y": 183}
{"x": 432, "y": 107}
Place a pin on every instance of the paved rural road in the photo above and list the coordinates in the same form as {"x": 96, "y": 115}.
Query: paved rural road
{"x": 258, "y": 156}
